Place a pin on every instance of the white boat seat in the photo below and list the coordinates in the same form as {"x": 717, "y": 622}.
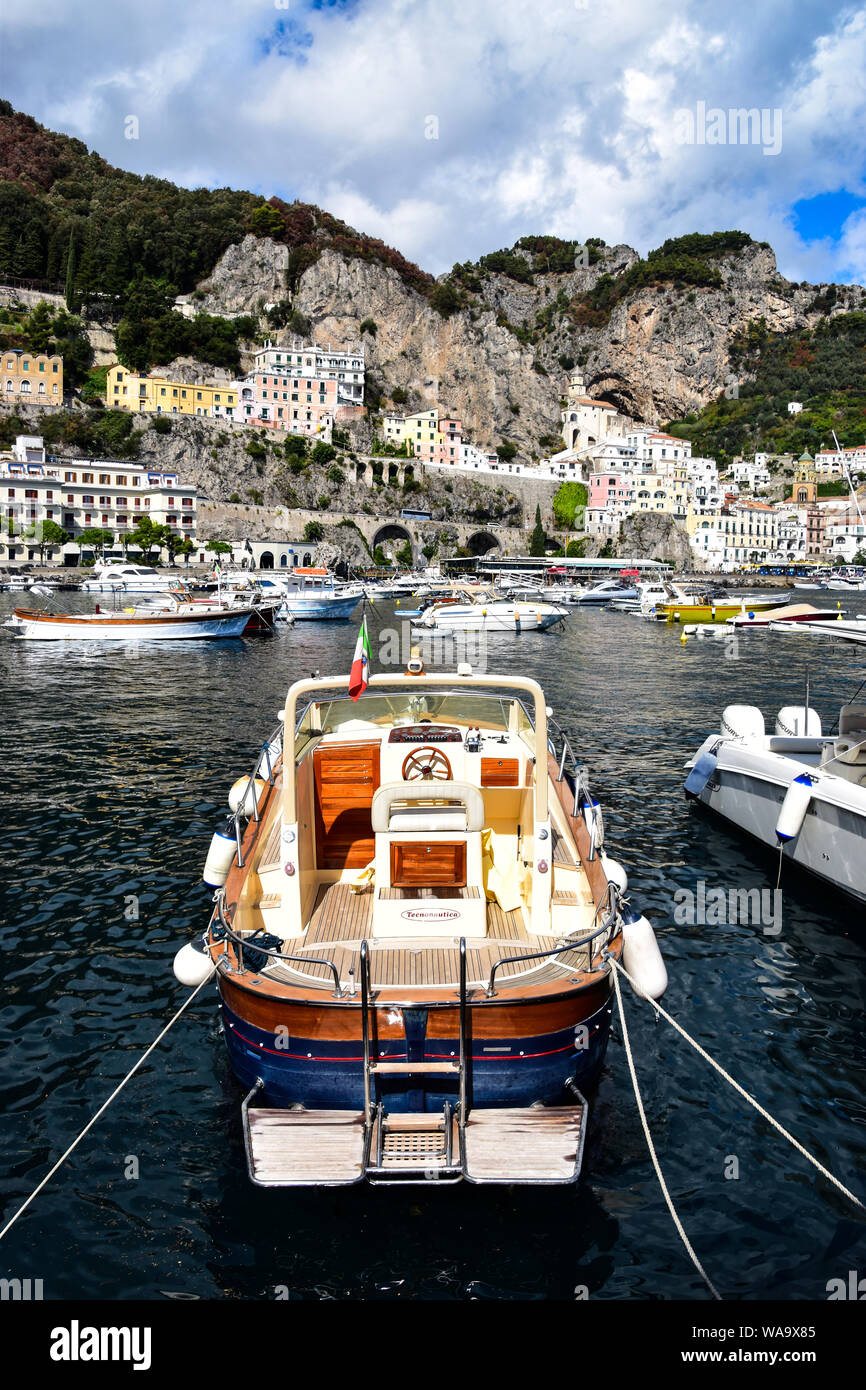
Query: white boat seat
{"x": 430, "y": 806}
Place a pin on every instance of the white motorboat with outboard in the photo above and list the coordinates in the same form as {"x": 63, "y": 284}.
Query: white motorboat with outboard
{"x": 797, "y": 790}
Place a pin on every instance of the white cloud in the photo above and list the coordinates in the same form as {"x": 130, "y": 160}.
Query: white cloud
{"x": 550, "y": 118}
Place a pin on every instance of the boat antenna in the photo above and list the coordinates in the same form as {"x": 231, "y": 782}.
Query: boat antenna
{"x": 806, "y": 705}
{"x": 848, "y": 478}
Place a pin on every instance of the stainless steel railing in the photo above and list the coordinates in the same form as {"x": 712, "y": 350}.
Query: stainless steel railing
{"x": 611, "y": 896}
{"x": 240, "y": 942}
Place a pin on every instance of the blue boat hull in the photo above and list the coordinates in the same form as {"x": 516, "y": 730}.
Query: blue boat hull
{"x": 503, "y": 1072}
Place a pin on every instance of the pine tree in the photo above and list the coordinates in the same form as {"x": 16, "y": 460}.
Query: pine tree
{"x": 7, "y": 251}
{"x": 71, "y": 260}
{"x": 538, "y": 540}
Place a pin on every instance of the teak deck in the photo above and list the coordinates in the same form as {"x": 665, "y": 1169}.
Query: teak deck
{"x": 341, "y": 921}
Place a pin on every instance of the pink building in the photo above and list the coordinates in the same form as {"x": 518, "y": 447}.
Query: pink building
{"x": 302, "y": 405}
{"x": 610, "y": 490}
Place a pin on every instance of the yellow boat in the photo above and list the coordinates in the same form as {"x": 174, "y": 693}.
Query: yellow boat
{"x": 679, "y": 611}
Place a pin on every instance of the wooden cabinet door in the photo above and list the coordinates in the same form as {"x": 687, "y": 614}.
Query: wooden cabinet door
{"x": 500, "y": 772}
{"x": 346, "y": 777}
{"x": 439, "y": 865}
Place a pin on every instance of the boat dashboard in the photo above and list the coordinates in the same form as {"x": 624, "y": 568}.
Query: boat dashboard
{"x": 426, "y": 733}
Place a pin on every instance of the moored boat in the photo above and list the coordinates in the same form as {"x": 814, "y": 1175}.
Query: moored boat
{"x": 144, "y": 624}
{"x": 796, "y": 790}
{"x": 789, "y": 613}
{"x": 713, "y": 610}
{"x": 313, "y": 595}
{"x": 412, "y": 933}
{"x": 481, "y": 609}
{"x": 127, "y": 579}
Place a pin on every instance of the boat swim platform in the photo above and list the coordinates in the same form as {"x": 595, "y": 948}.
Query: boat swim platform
{"x": 534, "y": 1146}
{"x": 341, "y": 921}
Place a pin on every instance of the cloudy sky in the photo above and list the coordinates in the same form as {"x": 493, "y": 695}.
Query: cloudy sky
{"x": 452, "y": 127}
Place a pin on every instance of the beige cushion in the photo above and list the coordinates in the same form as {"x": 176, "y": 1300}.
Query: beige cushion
{"x": 429, "y": 818}
{"x": 441, "y": 816}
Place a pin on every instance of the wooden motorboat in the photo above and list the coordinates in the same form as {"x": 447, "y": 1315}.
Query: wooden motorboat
{"x": 789, "y": 613}
{"x": 184, "y": 621}
{"x": 713, "y": 610}
{"x": 413, "y": 926}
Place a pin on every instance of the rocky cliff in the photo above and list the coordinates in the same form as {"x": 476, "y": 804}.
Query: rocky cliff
{"x": 500, "y": 354}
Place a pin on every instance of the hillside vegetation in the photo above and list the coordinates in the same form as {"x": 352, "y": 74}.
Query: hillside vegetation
{"x": 824, "y": 368}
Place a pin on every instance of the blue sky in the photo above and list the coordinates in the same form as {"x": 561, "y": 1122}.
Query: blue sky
{"x": 452, "y": 127}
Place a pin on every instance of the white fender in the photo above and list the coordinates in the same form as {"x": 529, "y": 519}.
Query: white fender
{"x": 219, "y": 857}
{"x": 191, "y": 965}
{"x": 592, "y": 814}
{"x": 641, "y": 956}
{"x": 241, "y": 795}
{"x": 794, "y": 807}
{"x": 615, "y": 872}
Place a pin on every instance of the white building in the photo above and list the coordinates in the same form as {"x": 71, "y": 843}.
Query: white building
{"x": 844, "y": 535}
{"x": 585, "y": 421}
{"x": 794, "y": 407}
{"x": 754, "y": 473}
{"x": 78, "y": 494}
{"x": 344, "y": 365}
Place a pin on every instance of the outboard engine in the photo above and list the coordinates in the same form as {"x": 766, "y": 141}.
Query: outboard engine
{"x": 742, "y": 722}
{"x": 795, "y": 721}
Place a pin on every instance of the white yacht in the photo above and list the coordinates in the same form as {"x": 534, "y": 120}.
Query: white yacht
{"x": 798, "y": 790}
{"x": 482, "y": 609}
{"x": 127, "y": 579}
{"x": 607, "y": 591}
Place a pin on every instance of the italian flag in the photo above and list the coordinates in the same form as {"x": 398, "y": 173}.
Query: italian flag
{"x": 360, "y": 662}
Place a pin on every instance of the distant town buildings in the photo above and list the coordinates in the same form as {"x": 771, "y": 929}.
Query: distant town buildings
{"x": 586, "y": 421}
{"x": 155, "y": 394}
{"x": 32, "y": 376}
{"x": 434, "y": 435}
{"x": 81, "y": 494}
{"x": 302, "y": 388}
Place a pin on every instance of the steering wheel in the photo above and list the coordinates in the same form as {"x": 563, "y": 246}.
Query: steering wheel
{"x": 427, "y": 765}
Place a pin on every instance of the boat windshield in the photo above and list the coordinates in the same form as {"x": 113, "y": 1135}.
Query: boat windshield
{"x": 466, "y": 708}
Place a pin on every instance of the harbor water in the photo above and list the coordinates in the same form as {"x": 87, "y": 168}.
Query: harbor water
{"x": 117, "y": 764}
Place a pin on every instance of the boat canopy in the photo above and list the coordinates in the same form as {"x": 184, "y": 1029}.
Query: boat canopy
{"x": 514, "y": 704}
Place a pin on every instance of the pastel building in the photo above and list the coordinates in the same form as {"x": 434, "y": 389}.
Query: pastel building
{"x": 158, "y": 395}
{"x": 78, "y": 494}
{"x": 277, "y": 399}
{"x": 429, "y": 435}
{"x": 32, "y": 376}
{"x": 299, "y": 360}
{"x": 744, "y": 532}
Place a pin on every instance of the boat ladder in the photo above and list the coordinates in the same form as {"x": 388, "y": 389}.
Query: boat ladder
{"x": 535, "y": 1144}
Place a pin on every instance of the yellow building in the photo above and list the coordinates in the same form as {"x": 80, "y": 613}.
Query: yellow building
{"x": 127, "y": 391}
{"x": 662, "y": 492}
{"x": 32, "y": 376}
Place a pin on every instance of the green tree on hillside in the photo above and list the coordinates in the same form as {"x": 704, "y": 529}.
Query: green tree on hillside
{"x": 569, "y": 505}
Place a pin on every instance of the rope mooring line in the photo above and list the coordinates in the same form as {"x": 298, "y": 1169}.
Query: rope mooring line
{"x": 786, "y": 1134}
{"x": 652, "y": 1152}
{"x": 101, "y": 1111}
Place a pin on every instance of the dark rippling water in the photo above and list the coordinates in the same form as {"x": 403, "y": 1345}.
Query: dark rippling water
{"x": 117, "y": 763}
